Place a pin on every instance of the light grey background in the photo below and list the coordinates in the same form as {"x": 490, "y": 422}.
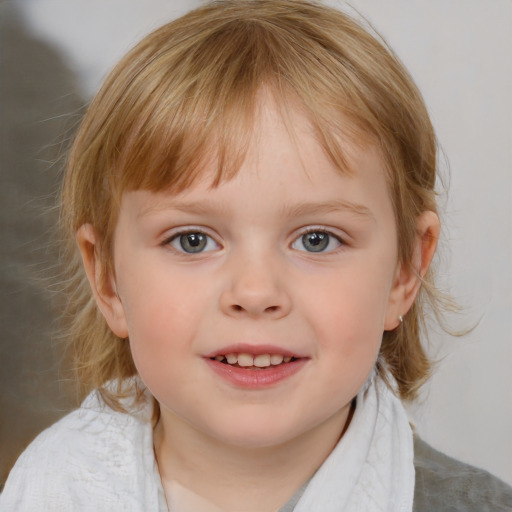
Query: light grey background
{"x": 459, "y": 52}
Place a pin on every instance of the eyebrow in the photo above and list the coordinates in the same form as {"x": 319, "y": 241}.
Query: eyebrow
{"x": 296, "y": 210}
{"x": 198, "y": 208}
{"x": 333, "y": 206}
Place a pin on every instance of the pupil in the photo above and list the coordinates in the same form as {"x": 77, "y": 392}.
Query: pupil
{"x": 315, "y": 242}
{"x": 193, "y": 242}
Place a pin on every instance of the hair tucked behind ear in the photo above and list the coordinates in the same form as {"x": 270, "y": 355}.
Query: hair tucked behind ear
{"x": 187, "y": 94}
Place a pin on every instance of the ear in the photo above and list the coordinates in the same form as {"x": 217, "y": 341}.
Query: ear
{"x": 103, "y": 286}
{"x": 407, "y": 281}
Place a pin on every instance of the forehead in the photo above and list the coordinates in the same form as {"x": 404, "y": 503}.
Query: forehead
{"x": 175, "y": 153}
{"x": 278, "y": 126}
{"x": 285, "y": 170}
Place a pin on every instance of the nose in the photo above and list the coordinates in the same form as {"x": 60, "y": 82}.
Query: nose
{"x": 256, "y": 288}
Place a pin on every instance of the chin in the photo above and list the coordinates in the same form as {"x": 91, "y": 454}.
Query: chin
{"x": 255, "y": 434}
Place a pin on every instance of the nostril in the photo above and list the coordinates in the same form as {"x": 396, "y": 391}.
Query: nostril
{"x": 269, "y": 309}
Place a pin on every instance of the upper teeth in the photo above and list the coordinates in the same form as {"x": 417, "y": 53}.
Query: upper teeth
{"x": 260, "y": 361}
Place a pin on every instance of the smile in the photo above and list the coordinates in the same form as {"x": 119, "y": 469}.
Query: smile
{"x": 260, "y": 361}
{"x": 255, "y": 366}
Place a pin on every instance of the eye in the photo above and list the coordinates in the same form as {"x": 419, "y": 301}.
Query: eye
{"x": 193, "y": 242}
{"x": 317, "y": 241}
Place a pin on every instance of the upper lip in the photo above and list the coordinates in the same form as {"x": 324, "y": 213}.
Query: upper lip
{"x": 256, "y": 349}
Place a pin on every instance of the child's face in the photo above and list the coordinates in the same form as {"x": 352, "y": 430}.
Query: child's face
{"x": 289, "y": 258}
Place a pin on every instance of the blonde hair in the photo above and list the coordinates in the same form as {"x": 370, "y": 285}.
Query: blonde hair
{"x": 189, "y": 90}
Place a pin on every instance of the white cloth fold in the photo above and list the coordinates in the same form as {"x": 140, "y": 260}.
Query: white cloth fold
{"x": 101, "y": 460}
{"x": 372, "y": 467}
{"x": 94, "y": 459}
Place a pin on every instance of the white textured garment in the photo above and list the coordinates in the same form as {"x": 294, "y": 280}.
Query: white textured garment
{"x": 100, "y": 460}
{"x": 372, "y": 467}
{"x": 94, "y": 459}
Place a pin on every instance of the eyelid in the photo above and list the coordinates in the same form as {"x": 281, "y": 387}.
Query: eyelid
{"x": 183, "y": 230}
{"x": 170, "y": 233}
{"x": 336, "y": 233}
{"x": 320, "y": 229}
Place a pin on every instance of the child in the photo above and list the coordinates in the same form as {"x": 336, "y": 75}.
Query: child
{"x": 252, "y": 196}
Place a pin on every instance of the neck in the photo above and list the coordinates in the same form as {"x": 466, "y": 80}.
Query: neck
{"x": 201, "y": 473}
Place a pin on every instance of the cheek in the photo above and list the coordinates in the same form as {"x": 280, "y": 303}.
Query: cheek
{"x": 352, "y": 302}
{"x": 348, "y": 313}
{"x": 164, "y": 313}
{"x": 160, "y": 338}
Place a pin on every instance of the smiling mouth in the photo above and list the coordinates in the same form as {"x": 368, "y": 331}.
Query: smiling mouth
{"x": 253, "y": 362}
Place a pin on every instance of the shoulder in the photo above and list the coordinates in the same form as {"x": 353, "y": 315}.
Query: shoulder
{"x": 92, "y": 452}
{"x": 446, "y": 484}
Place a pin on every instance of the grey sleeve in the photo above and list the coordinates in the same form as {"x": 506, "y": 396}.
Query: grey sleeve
{"x": 444, "y": 484}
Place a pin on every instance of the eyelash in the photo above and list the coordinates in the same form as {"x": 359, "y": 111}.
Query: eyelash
{"x": 323, "y": 242}
{"x": 178, "y": 237}
{"x": 318, "y": 230}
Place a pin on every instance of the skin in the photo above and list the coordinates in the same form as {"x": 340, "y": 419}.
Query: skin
{"x": 257, "y": 282}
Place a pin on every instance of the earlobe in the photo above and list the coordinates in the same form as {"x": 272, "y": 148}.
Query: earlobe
{"x": 408, "y": 278}
{"x": 103, "y": 286}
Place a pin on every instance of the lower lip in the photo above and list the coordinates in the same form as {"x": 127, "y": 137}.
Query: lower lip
{"x": 250, "y": 378}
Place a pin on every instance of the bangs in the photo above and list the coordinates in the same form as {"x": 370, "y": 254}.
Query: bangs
{"x": 190, "y": 106}
{"x": 185, "y": 125}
